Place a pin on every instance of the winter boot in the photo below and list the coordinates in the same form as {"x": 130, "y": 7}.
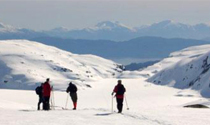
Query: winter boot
{"x": 75, "y": 106}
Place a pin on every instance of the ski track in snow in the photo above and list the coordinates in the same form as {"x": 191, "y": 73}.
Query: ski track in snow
{"x": 91, "y": 114}
{"x": 127, "y": 115}
{"x": 86, "y": 116}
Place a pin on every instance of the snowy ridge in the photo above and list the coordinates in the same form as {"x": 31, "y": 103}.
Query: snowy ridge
{"x": 24, "y": 63}
{"x": 188, "y": 68}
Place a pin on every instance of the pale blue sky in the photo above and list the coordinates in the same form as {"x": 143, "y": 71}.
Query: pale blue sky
{"x": 48, "y": 14}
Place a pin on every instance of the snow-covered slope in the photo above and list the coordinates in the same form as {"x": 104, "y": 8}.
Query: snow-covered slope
{"x": 188, "y": 68}
{"x": 24, "y": 63}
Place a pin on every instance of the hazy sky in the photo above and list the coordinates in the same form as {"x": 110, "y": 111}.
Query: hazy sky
{"x": 48, "y": 14}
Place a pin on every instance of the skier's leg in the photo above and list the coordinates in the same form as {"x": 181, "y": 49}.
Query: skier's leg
{"x": 44, "y": 103}
{"x": 118, "y": 104}
{"x": 47, "y": 103}
{"x": 40, "y": 101}
{"x": 121, "y": 104}
{"x": 74, "y": 100}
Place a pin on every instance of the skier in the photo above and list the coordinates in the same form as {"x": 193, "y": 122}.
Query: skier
{"x": 73, "y": 94}
{"x": 119, "y": 90}
{"x": 46, "y": 94}
{"x": 39, "y": 92}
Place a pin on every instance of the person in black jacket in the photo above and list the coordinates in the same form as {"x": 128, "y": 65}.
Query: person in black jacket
{"x": 39, "y": 92}
{"x": 73, "y": 94}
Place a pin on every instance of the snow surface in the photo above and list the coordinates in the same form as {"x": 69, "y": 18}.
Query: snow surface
{"x": 149, "y": 104}
{"x": 24, "y": 63}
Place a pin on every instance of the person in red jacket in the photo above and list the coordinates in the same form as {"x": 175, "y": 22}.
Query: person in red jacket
{"x": 46, "y": 95}
{"x": 119, "y": 90}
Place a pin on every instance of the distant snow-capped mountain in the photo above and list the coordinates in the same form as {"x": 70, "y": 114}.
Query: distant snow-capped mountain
{"x": 110, "y": 25}
{"x": 171, "y": 29}
{"x": 188, "y": 68}
{"x": 24, "y": 63}
{"x": 107, "y": 30}
{"x": 113, "y": 30}
{"x": 10, "y": 32}
{"x": 117, "y": 31}
{"x": 7, "y": 28}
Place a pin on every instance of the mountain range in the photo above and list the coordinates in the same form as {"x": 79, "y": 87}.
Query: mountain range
{"x": 113, "y": 30}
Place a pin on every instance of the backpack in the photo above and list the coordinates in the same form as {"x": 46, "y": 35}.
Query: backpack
{"x": 38, "y": 90}
{"x": 120, "y": 90}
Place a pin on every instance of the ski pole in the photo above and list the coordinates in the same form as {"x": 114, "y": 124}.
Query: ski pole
{"x": 53, "y": 98}
{"x": 112, "y": 103}
{"x": 51, "y": 105}
{"x": 66, "y": 100}
{"x": 126, "y": 103}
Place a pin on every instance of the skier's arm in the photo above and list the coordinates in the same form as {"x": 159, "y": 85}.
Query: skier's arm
{"x": 67, "y": 90}
{"x": 115, "y": 90}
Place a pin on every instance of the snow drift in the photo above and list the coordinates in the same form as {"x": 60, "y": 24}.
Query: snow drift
{"x": 24, "y": 63}
{"x": 188, "y": 68}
